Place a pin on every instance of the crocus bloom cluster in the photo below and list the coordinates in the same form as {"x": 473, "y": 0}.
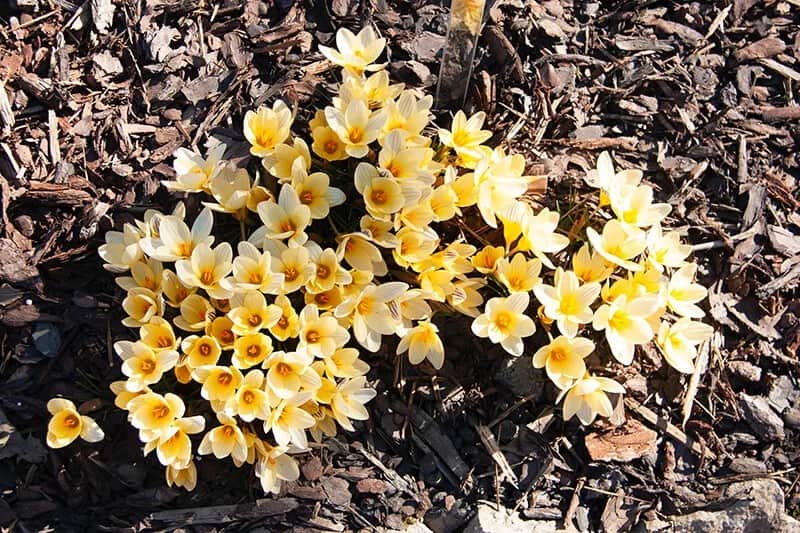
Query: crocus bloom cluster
{"x": 269, "y": 328}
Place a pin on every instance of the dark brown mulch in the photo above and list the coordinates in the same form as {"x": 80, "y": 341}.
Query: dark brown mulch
{"x": 703, "y": 95}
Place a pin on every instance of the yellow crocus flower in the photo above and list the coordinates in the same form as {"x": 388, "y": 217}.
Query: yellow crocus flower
{"x": 356, "y": 53}
{"x": 567, "y": 302}
{"x": 625, "y": 324}
{"x": 250, "y": 313}
{"x": 206, "y": 268}
{"x": 67, "y": 424}
{"x": 251, "y": 350}
{"x": 678, "y": 342}
{"x": 142, "y": 365}
{"x": 588, "y": 398}
{"x": 619, "y": 243}
{"x": 224, "y": 440}
{"x": 683, "y": 294}
{"x": 320, "y": 336}
{"x": 504, "y": 322}
{"x": 423, "y": 342}
{"x": 356, "y": 127}
{"x": 563, "y": 358}
{"x": 266, "y": 127}
{"x": 520, "y": 274}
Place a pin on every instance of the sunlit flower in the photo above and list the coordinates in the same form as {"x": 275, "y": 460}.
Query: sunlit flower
{"x": 219, "y": 382}
{"x": 288, "y": 372}
{"x": 201, "y": 351}
{"x": 182, "y": 477}
{"x": 265, "y": 128}
{"x": 207, "y": 268}
{"x": 348, "y": 402}
{"x": 679, "y": 341}
{"x": 588, "y": 398}
{"x": 252, "y": 270}
{"x": 504, "y": 322}
{"x": 251, "y": 350}
{"x": 153, "y": 413}
{"x": 345, "y": 363}
{"x": 293, "y": 262}
{"x": 437, "y": 283}
{"x": 67, "y": 424}
{"x": 683, "y": 293}
{"x": 355, "y": 126}
{"x": 465, "y": 135}
{"x": 485, "y": 261}
{"x": 251, "y": 401}
{"x": 273, "y": 466}
{"x": 370, "y": 313}
{"x": 619, "y": 243}
{"x": 382, "y": 195}
{"x": 324, "y": 422}
{"x": 173, "y": 446}
{"x": 224, "y": 440}
{"x": 145, "y": 275}
{"x": 327, "y": 144}
{"x": 288, "y": 325}
{"x": 327, "y": 271}
{"x": 414, "y": 246}
{"x": 122, "y": 396}
{"x": 410, "y": 306}
{"x": 591, "y": 266}
{"x": 176, "y": 241}
{"x": 361, "y": 254}
{"x": 142, "y": 365}
{"x": 409, "y": 114}
{"x": 314, "y": 190}
{"x": 563, "y": 358}
{"x": 320, "y": 336}
{"x": 289, "y": 422}
{"x": 174, "y": 290}
{"x": 286, "y": 219}
{"x": 665, "y": 249}
{"x": 465, "y": 296}
{"x": 567, "y": 301}
{"x": 121, "y": 250}
{"x": 231, "y": 190}
{"x": 193, "y": 172}
{"x": 625, "y": 324}
{"x": 250, "y": 313}
{"x": 196, "y": 313}
{"x": 519, "y": 274}
{"x": 537, "y": 233}
{"x": 141, "y": 305}
{"x": 356, "y": 53}
{"x": 158, "y": 335}
{"x": 407, "y": 163}
{"x": 606, "y": 178}
{"x": 221, "y": 328}
{"x": 423, "y": 342}
{"x": 633, "y": 204}
{"x": 284, "y": 157}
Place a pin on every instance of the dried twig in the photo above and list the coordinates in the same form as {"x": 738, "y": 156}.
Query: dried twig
{"x": 490, "y": 443}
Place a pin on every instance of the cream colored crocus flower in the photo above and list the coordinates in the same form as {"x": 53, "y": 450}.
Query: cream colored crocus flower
{"x": 504, "y": 322}
{"x": 397, "y": 159}
{"x": 591, "y": 266}
{"x": 289, "y": 372}
{"x": 173, "y": 446}
{"x": 370, "y": 313}
{"x": 320, "y": 336}
{"x": 607, "y": 179}
{"x": 286, "y": 219}
{"x": 251, "y": 350}
{"x": 219, "y": 383}
{"x": 201, "y": 351}
{"x": 588, "y": 397}
{"x": 288, "y": 325}
{"x": 356, "y": 53}
{"x": 567, "y": 301}
{"x": 423, "y": 342}
{"x": 159, "y": 335}
{"x": 289, "y": 421}
{"x": 485, "y": 261}
{"x": 142, "y": 365}
{"x": 410, "y": 306}
{"x": 683, "y": 294}
{"x": 414, "y": 246}
{"x": 465, "y": 134}
{"x": 563, "y": 358}
{"x": 250, "y": 313}
{"x": 67, "y": 424}
{"x": 328, "y": 272}
{"x": 152, "y": 413}
{"x": 221, "y": 328}
{"x": 383, "y": 196}
{"x": 359, "y": 252}
{"x": 121, "y": 250}
{"x": 182, "y": 477}
{"x": 355, "y": 126}
{"x": 174, "y": 291}
{"x": 122, "y": 396}
{"x": 348, "y": 401}
{"x": 325, "y": 424}
{"x": 293, "y": 262}
{"x": 193, "y": 172}
{"x": 224, "y": 440}
{"x": 327, "y": 144}
{"x": 176, "y": 241}
{"x": 465, "y": 297}
{"x": 678, "y": 342}
{"x": 196, "y": 313}
{"x": 666, "y": 249}
{"x": 500, "y": 182}
{"x": 266, "y": 127}
{"x": 207, "y": 268}
{"x": 284, "y": 157}
{"x": 141, "y": 305}
{"x": 619, "y": 243}
{"x": 345, "y": 363}
{"x": 520, "y": 274}
{"x": 377, "y": 88}
{"x": 409, "y": 114}
{"x": 252, "y": 270}
{"x": 625, "y": 324}
{"x": 314, "y": 190}
{"x": 532, "y": 233}
{"x": 274, "y": 465}
{"x": 634, "y": 205}
{"x": 144, "y": 274}
{"x": 251, "y": 400}
{"x": 231, "y": 190}
{"x": 437, "y": 283}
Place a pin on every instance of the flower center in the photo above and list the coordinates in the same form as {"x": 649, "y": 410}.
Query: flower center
{"x": 71, "y": 421}
{"x": 254, "y": 320}
{"x": 253, "y": 350}
{"x": 306, "y": 197}
{"x": 160, "y": 411}
{"x": 283, "y": 369}
{"x": 228, "y": 431}
{"x": 363, "y": 307}
{"x": 557, "y": 354}
{"x": 283, "y": 322}
{"x": 207, "y": 277}
{"x": 394, "y": 168}
{"x": 290, "y": 274}
{"x": 185, "y": 249}
{"x": 255, "y": 277}
{"x": 502, "y": 321}
{"x": 331, "y": 146}
{"x": 204, "y": 349}
{"x": 323, "y": 272}
{"x": 356, "y": 135}
{"x": 322, "y": 298}
{"x": 248, "y": 396}
{"x": 287, "y": 225}
{"x": 164, "y": 341}
{"x": 378, "y": 196}
{"x": 226, "y": 335}
{"x": 147, "y": 366}
{"x": 312, "y": 336}
{"x": 224, "y": 379}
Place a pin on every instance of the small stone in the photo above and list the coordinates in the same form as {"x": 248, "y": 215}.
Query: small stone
{"x": 745, "y": 370}
{"x": 519, "y": 376}
{"x": 747, "y": 465}
{"x": 24, "y": 224}
{"x": 624, "y": 443}
{"x": 413, "y": 72}
{"x": 489, "y": 519}
{"x": 765, "y": 422}
{"x": 782, "y": 393}
{"x": 582, "y": 518}
{"x": 791, "y": 417}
